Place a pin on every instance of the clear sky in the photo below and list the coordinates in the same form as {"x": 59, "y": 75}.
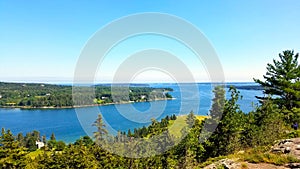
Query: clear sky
{"x": 42, "y": 40}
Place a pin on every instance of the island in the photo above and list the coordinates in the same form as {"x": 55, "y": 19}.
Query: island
{"x": 247, "y": 87}
{"x": 38, "y": 95}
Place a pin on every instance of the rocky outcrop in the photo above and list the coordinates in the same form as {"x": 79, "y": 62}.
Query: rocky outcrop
{"x": 231, "y": 164}
{"x": 288, "y": 146}
{"x": 224, "y": 163}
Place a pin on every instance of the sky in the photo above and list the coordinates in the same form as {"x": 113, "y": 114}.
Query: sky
{"x": 41, "y": 41}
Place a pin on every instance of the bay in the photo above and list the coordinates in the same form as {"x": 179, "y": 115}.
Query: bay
{"x": 71, "y": 124}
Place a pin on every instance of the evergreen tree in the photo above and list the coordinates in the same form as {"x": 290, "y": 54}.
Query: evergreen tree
{"x": 101, "y": 132}
{"x": 282, "y": 81}
{"x": 129, "y": 134}
{"x": 190, "y": 120}
{"x": 227, "y": 135}
{"x": 217, "y": 108}
{"x": 44, "y": 140}
{"x": 7, "y": 139}
{"x": 52, "y": 137}
{"x": 21, "y": 139}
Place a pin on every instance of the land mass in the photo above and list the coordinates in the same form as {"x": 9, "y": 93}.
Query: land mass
{"x": 38, "y": 95}
{"x": 249, "y": 87}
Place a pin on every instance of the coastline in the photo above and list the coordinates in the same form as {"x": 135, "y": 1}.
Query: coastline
{"x": 81, "y": 106}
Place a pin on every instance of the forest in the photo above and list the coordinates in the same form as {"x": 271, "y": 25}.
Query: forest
{"x": 26, "y": 95}
{"x": 225, "y": 132}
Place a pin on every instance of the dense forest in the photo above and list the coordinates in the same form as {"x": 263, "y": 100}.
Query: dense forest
{"x": 227, "y": 130}
{"x": 47, "y": 95}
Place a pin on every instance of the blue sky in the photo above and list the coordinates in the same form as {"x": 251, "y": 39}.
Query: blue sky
{"x": 42, "y": 40}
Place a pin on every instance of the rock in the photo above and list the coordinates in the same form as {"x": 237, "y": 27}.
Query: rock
{"x": 287, "y": 150}
{"x": 276, "y": 150}
{"x": 294, "y": 165}
{"x": 224, "y": 163}
{"x": 285, "y": 141}
{"x": 288, "y": 146}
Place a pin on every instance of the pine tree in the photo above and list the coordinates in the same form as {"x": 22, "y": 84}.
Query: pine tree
{"x": 282, "y": 81}
{"x": 129, "y": 134}
{"x": 101, "y": 132}
{"x": 216, "y": 111}
{"x": 226, "y": 137}
{"x": 190, "y": 120}
{"x": 44, "y": 140}
{"x": 52, "y": 137}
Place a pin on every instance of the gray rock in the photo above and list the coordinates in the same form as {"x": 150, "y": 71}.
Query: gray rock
{"x": 294, "y": 165}
{"x": 287, "y": 150}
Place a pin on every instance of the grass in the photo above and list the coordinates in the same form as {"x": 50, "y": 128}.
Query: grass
{"x": 270, "y": 158}
{"x": 260, "y": 155}
{"x": 244, "y": 166}
{"x": 176, "y": 126}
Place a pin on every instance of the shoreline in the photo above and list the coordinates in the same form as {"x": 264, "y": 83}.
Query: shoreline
{"x": 80, "y": 106}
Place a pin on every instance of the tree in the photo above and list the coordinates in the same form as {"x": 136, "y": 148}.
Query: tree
{"x": 264, "y": 126}
{"x": 85, "y": 140}
{"x": 21, "y": 140}
{"x": 11, "y": 154}
{"x": 129, "y": 134}
{"x": 226, "y": 137}
{"x": 52, "y": 137}
{"x": 101, "y": 129}
{"x": 7, "y": 139}
{"x": 60, "y": 145}
{"x": 44, "y": 139}
{"x": 217, "y": 108}
{"x": 282, "y": 81}
{"x": 190, "y": 120}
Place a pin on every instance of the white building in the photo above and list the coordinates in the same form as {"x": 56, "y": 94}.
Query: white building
{"x": 39, "y": 144}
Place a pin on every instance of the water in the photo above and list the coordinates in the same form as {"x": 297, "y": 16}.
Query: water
{"x": 71, "y": 124}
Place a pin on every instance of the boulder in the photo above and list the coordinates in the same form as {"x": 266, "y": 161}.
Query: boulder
{"x": 288, "y": 146}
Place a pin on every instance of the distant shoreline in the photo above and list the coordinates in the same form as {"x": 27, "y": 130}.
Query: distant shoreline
{"x": 80, "y": 106}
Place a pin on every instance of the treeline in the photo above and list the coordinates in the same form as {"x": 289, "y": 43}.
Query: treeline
{"x": 154, "y": 128}
{"x": 46, "y": 95}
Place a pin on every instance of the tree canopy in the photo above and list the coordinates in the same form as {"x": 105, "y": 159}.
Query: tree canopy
{"x": 282, "y": 80}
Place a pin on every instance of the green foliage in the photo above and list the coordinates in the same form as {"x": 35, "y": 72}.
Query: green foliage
{"x": 259, "y": 155}
{"x": 265, "y": 125}
{"x": 217, "y": 109}
{"x": 190, "y": 120}
{"x": 101, "y": 132}
{"x": 227, "y": 136}
{"x": 46, "y": 95}
{"x": 86, "y": 141}
{"x": 282, "y": 84}
{"x": 52, "y": 137}
{"x": 293, "y": 134}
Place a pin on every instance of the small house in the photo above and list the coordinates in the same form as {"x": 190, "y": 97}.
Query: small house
{"x": 39, "y": 144}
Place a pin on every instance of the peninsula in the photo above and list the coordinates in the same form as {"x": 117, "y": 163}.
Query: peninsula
{"x": 38, "y": 95}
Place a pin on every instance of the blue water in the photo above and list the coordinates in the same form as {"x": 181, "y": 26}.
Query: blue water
{"x": 70, "y": 124}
